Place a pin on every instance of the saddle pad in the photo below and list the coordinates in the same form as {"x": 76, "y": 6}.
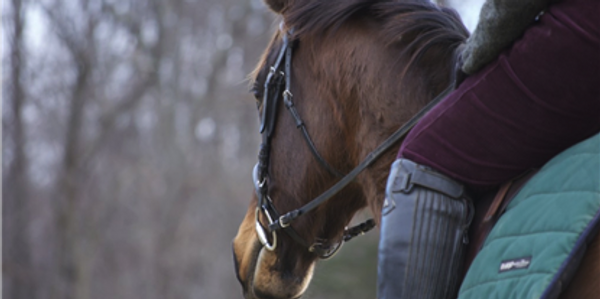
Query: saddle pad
{"x": 542, "y": 236}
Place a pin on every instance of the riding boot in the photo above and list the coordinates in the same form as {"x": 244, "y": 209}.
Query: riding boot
{"x": 424, "y": 226}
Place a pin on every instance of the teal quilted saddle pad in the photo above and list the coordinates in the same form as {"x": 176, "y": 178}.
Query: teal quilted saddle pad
{"x": 543, "y": 231}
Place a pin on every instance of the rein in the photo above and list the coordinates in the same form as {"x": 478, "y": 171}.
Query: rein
{"x": 260, "y": 172}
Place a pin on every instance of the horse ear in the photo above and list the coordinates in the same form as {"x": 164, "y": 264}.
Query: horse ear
{"x": 276, "y": 5}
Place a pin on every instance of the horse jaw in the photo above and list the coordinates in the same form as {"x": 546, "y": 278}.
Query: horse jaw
{"x": 256, "y": 267}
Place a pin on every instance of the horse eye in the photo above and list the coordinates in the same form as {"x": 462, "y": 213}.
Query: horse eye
{"x": 256, "y": 92}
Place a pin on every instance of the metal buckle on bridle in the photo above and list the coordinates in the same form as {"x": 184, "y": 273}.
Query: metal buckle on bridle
{"x": 282, "y": 222}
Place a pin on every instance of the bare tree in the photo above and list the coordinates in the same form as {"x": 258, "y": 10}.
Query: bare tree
{"x": 78, "y": 147}
{"x": 17, "y": 266}
{"x": 129, "y": 140}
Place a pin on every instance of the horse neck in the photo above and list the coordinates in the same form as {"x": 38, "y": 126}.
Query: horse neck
{"x": 359, "y": 79}
{"x": 387, "y": 105}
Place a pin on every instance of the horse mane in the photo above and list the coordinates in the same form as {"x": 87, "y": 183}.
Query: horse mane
{"x": 416, "y": 26}
{"x": 423, "y": 24}
{"x": 317, "y": 16}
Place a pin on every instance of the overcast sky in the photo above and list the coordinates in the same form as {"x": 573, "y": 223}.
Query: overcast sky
{"x": 468, "y": 10}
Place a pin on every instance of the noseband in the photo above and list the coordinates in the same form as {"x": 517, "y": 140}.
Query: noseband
{"x": 275, "y": 81}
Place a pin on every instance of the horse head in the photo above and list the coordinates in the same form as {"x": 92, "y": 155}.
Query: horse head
{"x": 335, "y": 81}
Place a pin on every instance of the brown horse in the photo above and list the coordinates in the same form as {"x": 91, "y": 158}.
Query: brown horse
{"x": 360, "y": 69}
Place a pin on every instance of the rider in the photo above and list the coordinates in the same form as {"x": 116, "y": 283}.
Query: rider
{"x": 533, "y": 90}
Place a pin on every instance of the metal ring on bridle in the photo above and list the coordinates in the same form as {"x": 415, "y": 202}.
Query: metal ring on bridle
{"x": 262, "y": 233}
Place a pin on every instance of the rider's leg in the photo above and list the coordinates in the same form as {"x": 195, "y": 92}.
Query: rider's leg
{"x": 538, "y": 98}
{"x": 423, "y": 233}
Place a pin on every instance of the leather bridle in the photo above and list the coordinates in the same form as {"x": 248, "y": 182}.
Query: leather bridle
{"x": 279, "y": 77}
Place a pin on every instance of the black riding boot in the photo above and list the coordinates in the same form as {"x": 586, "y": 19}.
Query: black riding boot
{"x": 424, "y": 225}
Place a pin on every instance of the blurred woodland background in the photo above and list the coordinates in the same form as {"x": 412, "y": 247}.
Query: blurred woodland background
{"x": 127, "y": 147}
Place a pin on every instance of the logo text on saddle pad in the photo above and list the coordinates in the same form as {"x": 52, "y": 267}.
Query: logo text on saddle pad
{"x": 515, "y": 264}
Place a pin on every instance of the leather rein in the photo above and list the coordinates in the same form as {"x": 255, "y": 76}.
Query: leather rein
{"x": 276, "y": 79}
